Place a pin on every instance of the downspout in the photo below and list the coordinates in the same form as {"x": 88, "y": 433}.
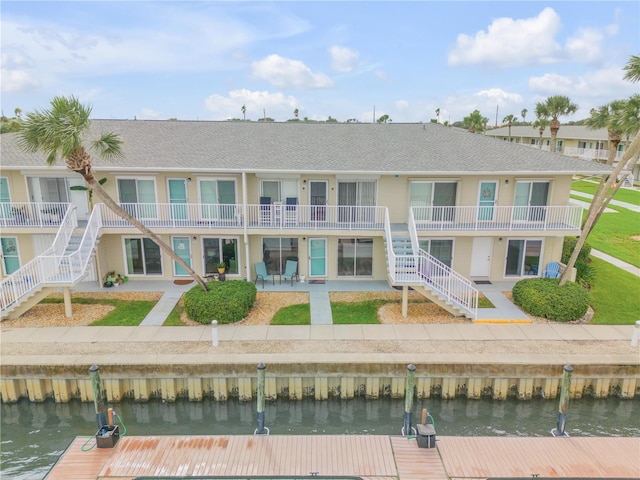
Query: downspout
{"x": 247, "y": 262}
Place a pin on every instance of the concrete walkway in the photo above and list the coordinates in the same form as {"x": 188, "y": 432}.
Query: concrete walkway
{"x": 617, "y": 203}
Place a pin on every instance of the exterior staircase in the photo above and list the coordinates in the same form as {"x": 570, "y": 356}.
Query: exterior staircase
{"x": 408, "y": 265}
{"x": 64, "y": 264}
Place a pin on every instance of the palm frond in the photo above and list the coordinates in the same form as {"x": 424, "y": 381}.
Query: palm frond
{"x": 109, "y": 145}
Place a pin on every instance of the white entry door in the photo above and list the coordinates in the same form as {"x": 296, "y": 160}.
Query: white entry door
{"x": 481, "y": 257}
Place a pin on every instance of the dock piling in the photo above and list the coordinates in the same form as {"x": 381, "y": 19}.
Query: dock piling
{"x": 564, "y": 400}
{"x": 98, "y": 399}
{"x": 409, "y": 392}
{"x": 261, "y": 428}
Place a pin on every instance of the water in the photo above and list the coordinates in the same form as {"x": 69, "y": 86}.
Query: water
{"x": 34, "y": 435}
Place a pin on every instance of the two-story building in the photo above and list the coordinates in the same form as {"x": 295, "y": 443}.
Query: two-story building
{"x": 420, "y": 205}
{"x": 573, "y": 140}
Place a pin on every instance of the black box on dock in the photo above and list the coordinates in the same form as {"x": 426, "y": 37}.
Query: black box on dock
{"x": 107, "y": 436}
{"x": 426, "y": 435}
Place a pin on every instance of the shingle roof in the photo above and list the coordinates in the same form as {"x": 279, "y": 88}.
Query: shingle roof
{"x": 304, "y": 147}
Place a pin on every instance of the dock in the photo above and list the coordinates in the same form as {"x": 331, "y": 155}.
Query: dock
{"x": 370, "y": 457}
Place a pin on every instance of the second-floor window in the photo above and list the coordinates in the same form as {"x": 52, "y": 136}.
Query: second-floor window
{"x": 139, "y": 196}
{"x": 354, "y": 198}
{"x": 218, "y": 198}
{"x": 434, "y": 201}
{"x": 279, "y": 190}
{"x": 531, "y": 198}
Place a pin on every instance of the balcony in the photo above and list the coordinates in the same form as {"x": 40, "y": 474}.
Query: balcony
{"x": 32, "y": 214}
{"x": 510, "y": 218}
{"x": 272, "y": 216}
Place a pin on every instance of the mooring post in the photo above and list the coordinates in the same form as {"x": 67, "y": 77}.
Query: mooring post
{"x": 564, "y": 400}
{"x": 214, "y": 332}
{"x": 636, "y": 335}
{"x": 261, "y": 371}
{"x": 408, "y": 398}
{"x": 98, "y": 400}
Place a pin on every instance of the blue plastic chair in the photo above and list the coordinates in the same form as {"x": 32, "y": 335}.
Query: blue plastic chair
{"x": 552, "y": 270}
{"x": 290, "y": 271}
{"x": 261, "y": 273}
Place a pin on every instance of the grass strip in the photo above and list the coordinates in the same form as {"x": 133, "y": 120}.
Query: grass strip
{"x": 614, "y": 295}
{"x": 299, "y": 314}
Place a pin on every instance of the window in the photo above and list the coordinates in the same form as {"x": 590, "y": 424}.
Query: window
{"x": 10, "y": 257}
{"x": 218, "y": 250}
{"x": 582, "y": 144}
{"x": 138, "y": 197}
{"x": 359, "y": 194}
{"x": 355, "y": 257}
{"x": 530, "y": 200}
{"x": 438, "y": 248}
{"x": 523, "y": 258}
{"x": 279, "y": 190}
{"x": 218, "y": 198}
{"x": 5, "y": 199}
{"x": 436, "y": 200}
{"x": 276, "y": 252}
{"x": 143, "y": 257}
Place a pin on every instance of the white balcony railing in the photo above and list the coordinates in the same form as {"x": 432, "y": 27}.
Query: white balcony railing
{"x": 498, "y": 218}
{"x": 253, "y": 216}
{"x": 32, "y": 214}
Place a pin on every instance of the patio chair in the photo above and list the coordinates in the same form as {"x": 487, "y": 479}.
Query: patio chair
{"x": 552, "y": 270}
{"x": 290, "y": 271}
{"x": 261, "y": 273}
{"x": 265, "y": 210}
{"x": 291, "y": 211}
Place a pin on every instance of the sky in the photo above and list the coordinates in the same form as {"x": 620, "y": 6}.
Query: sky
{"x": 346, "y": 60}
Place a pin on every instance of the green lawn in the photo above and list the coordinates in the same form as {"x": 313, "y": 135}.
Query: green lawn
{"x": 173, "y": 320}
{"x": 293, "y": 315}
{"x": 127, "y": 313}
{"x": 613, "y": 235}
{"x": 356, "y": 312}
{"x": 623, "y": 195}
{"x": 615, "y": 295}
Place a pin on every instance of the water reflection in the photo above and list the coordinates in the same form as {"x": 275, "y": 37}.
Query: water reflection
{"x": 34, "y": 435}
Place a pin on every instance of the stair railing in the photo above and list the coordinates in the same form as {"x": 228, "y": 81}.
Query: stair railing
{"x": 435, "y": 275}
{"x": 391, "y": 255}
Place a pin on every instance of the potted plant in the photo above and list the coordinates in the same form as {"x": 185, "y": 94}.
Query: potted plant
{"x": 221, "y": 267}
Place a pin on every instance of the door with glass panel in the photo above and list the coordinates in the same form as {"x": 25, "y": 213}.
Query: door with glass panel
{"x": 10, "y": 257}
{"x": 531, "y": 201}
{"x": 138, "y": 197}
{"x": 356, "y": 201}
{"x": 178, "y": 209}
{"x": 435, "y": 200}
{"x": 217, "y": 198}
{"x": 487, "y": 201}
{"x": 523, "y": 257}
{"x": 318, "y": 191}
{"x": 5, "y": 201}
{"x": 317, "y": 257}
{"x": 182, "y": 246}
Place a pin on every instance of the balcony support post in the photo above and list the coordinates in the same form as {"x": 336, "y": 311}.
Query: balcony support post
{"x": 405, "y": 300}
{"x": 66, "y": 293}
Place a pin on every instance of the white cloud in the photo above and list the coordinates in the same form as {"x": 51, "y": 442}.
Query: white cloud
{"x": 343, "y": 59}
{"x": 510, "y": 42}
{"x": 285, "y": 72}
{"x": 585, "y": 45}
{"x": 150, "y": 114}
{"x": 499, "y": 96}
{"x": 16, "y": 80}
{"x": 606, "y": 82}
{"x": 275, "y": 105}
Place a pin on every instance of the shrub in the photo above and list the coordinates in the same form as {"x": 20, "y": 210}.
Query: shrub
{"x": 569, "y": 246}
{"x": 227, "y": 302}
{"x": 586, "y": 274}
{"x": 544, "y": 297}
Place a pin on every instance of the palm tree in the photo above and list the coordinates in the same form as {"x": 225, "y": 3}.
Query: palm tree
{"x": 58, "y": 132}
{"x": 541, "y": 123}
{"x": 523, "y": 114}
{"x": 296, "y": 113}
{"x": 475, "y": 122}
{"x": 629, "y": 120}
{"x": 554, "y": 107}
{"x": 509, "y": 119}
{"x": 244, "y": 112}
{"x": 632, "y": 69}
{"x": 438, "y": 114}
{"x": 605, "y": 116}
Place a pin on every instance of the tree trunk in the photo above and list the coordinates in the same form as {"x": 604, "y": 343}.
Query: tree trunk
{"x": 554, "y": 127}
{"x": 597, "y": 206}
{"x": 118, "y": 210}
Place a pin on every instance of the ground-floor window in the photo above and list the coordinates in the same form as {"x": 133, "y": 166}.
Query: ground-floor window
{"x": 217, "y": 250}
{"x": 442, "y": 249}
{"x": 10, "y": 257}
{"x": 276, "y": 252}
{"x": 523, "y": 257}
{"x": 355, "y": 257}
{"x": 143, "y": 257}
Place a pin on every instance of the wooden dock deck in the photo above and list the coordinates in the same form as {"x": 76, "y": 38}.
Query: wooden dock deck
{"x": 371, "y": 457}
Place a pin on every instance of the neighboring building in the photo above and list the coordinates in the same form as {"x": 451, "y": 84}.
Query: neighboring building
{"x": 419, "y": 205}
{"x": 573, "y": 140}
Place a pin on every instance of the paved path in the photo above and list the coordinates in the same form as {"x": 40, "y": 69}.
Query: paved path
{"x": 617, "y": 203}
{"x": 320, "y": 307}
